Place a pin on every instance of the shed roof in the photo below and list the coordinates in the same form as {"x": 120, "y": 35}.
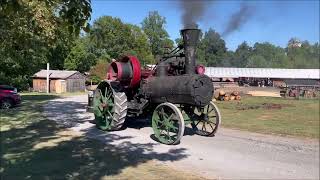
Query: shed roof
{"x": 263, "y": 73}
{"x": 59, "y": 74}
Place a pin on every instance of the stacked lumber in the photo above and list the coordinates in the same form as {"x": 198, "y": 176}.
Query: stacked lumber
{"x": 264, "y": 93}
{"x": 223, "y": 96}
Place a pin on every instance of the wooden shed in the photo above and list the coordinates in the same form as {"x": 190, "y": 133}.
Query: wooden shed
{"x": 60, "y": 81}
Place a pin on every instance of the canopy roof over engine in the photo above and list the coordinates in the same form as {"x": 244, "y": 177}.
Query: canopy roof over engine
{"x": 222, "y": 72}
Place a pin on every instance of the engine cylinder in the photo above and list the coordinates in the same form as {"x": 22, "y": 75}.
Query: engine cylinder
{"x": 186, "y": 89}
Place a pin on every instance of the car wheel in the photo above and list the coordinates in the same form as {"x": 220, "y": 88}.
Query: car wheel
{"x": 6, "y": 104}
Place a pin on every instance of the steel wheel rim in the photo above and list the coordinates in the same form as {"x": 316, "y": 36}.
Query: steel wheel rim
{"x": 5, "y": 105}
{"x": 168, "y": 124}
{"x": 206, "y": 120}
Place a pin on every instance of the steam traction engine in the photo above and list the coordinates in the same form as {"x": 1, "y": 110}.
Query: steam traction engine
{"x": 175, "y": 90}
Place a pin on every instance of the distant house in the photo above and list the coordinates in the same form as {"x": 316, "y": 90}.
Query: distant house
{"x": 60, "y": 81}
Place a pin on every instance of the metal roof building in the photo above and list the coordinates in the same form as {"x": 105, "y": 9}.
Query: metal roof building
{"x": 60, "y": 81}
{"x": 59, "y": 74}
{"x": 222, "y": 72}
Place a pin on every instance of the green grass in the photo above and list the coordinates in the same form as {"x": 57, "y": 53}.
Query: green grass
{"x": 287, "y": 117}
{"x": 33, "y": 147}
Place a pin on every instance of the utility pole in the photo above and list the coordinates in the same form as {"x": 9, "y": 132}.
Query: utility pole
{"x": 48, "y": 85}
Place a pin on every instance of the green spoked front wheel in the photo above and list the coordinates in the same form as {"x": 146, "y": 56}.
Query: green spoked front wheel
{"x": 167, "y": 123}
{"x": 109, "y": 106}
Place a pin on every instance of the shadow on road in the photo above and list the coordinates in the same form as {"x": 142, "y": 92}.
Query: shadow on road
{"x": 45, "y": 149}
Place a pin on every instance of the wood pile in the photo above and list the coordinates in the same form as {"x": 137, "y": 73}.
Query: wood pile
{"x": 264, "y": 93}
{"x": 223, "y": 96}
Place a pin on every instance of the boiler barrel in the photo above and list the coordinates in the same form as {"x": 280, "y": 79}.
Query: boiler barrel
{"x": 186, "y": 89}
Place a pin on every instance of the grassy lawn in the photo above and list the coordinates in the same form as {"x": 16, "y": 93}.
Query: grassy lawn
{"x": 33, "y": 147}
{"x": 287, "y": 117}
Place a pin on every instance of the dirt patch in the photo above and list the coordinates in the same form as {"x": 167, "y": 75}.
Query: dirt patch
{"x": 265, "y": 117}
{"x": 247, "y": 107}
{"x": 268, "y": 106}
{"x": 275, "y": 106}
{"x": 271, "y": 106}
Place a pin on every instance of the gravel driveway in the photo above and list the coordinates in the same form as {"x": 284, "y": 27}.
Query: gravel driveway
{"x": 230, "y": 154}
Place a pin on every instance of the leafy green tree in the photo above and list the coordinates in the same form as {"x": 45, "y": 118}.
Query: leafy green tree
{"x": 275, "y": 56}
{"x": 140, "y": 46}
{"x": 304, "y": 56}
{"x": 241, "y": 55}
{"x": 154, "y": 27}
{"x": 257, "y": 61}
{"x": 79, "y": 59}
{"x": 97, "y": 73}
{"x": 178, "y": 41}
{"x": 110, "y": 37}
{"x": 212, "y": 49}
{"x": 31, "y": 35}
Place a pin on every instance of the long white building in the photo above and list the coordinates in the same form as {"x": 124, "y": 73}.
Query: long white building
{"x": 223, "y": 72}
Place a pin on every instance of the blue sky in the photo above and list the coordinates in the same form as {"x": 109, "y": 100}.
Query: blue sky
{"x": 272, "y": 21}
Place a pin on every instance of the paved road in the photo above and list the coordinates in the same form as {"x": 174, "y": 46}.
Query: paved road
{"x": 230, "y": 154}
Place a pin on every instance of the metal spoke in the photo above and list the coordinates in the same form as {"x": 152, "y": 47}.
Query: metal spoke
{"x": 105, "y": 92}
{"x": 202, "y": 126}
{"x": 109, "y": 96}
{"x": 162, "y": 113}
{"x": 170, "y": 117}
{"x": 109, "y": 113}
{"x": 168, "y": 134}
{"x": 211, "y": 126}
{"x": 210, "y": 110}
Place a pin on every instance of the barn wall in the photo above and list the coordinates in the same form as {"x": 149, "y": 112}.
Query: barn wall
{"x": 76, "y": 83}
{"x": 53, "y": 85}
{"x": 61, "y": 86}
{"x": 39, "y": 85}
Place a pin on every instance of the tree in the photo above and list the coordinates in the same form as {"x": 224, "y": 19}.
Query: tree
{"x": 275, "y": 56}
{"x": 257, "y": 61}
{"x": 110, "y": 37}
{"x": 304, "y": 56}
{"x": 31, "y": 35}
{"x": 140, "y": 46}
{"x": 242, "y": 55}
{"x": 211, "y": 49}
{"x": 98, "y": 72}
{"x": 79, "y": 58}
{"x": 154, "y": 27}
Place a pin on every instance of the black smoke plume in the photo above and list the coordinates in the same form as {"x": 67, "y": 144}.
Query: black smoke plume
{"x": 238, "y": 19}
{"x": 192, "y": 12}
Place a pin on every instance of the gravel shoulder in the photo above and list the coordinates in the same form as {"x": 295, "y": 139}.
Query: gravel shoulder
{"x": 230, "y": 154}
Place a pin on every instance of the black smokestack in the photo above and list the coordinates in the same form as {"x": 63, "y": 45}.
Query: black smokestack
{"x": 190, "y": 40}
{"x": 238, "y": 19}
{"x": 192, "y": 12}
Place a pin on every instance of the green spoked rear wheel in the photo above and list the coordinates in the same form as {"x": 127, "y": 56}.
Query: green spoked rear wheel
{"x": 206, "y": 120}
{"x": 167, "y": 123}
{"x": 109, "y": 106}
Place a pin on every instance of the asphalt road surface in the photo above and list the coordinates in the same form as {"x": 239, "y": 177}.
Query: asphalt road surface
{"x": 230, "y": 154}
